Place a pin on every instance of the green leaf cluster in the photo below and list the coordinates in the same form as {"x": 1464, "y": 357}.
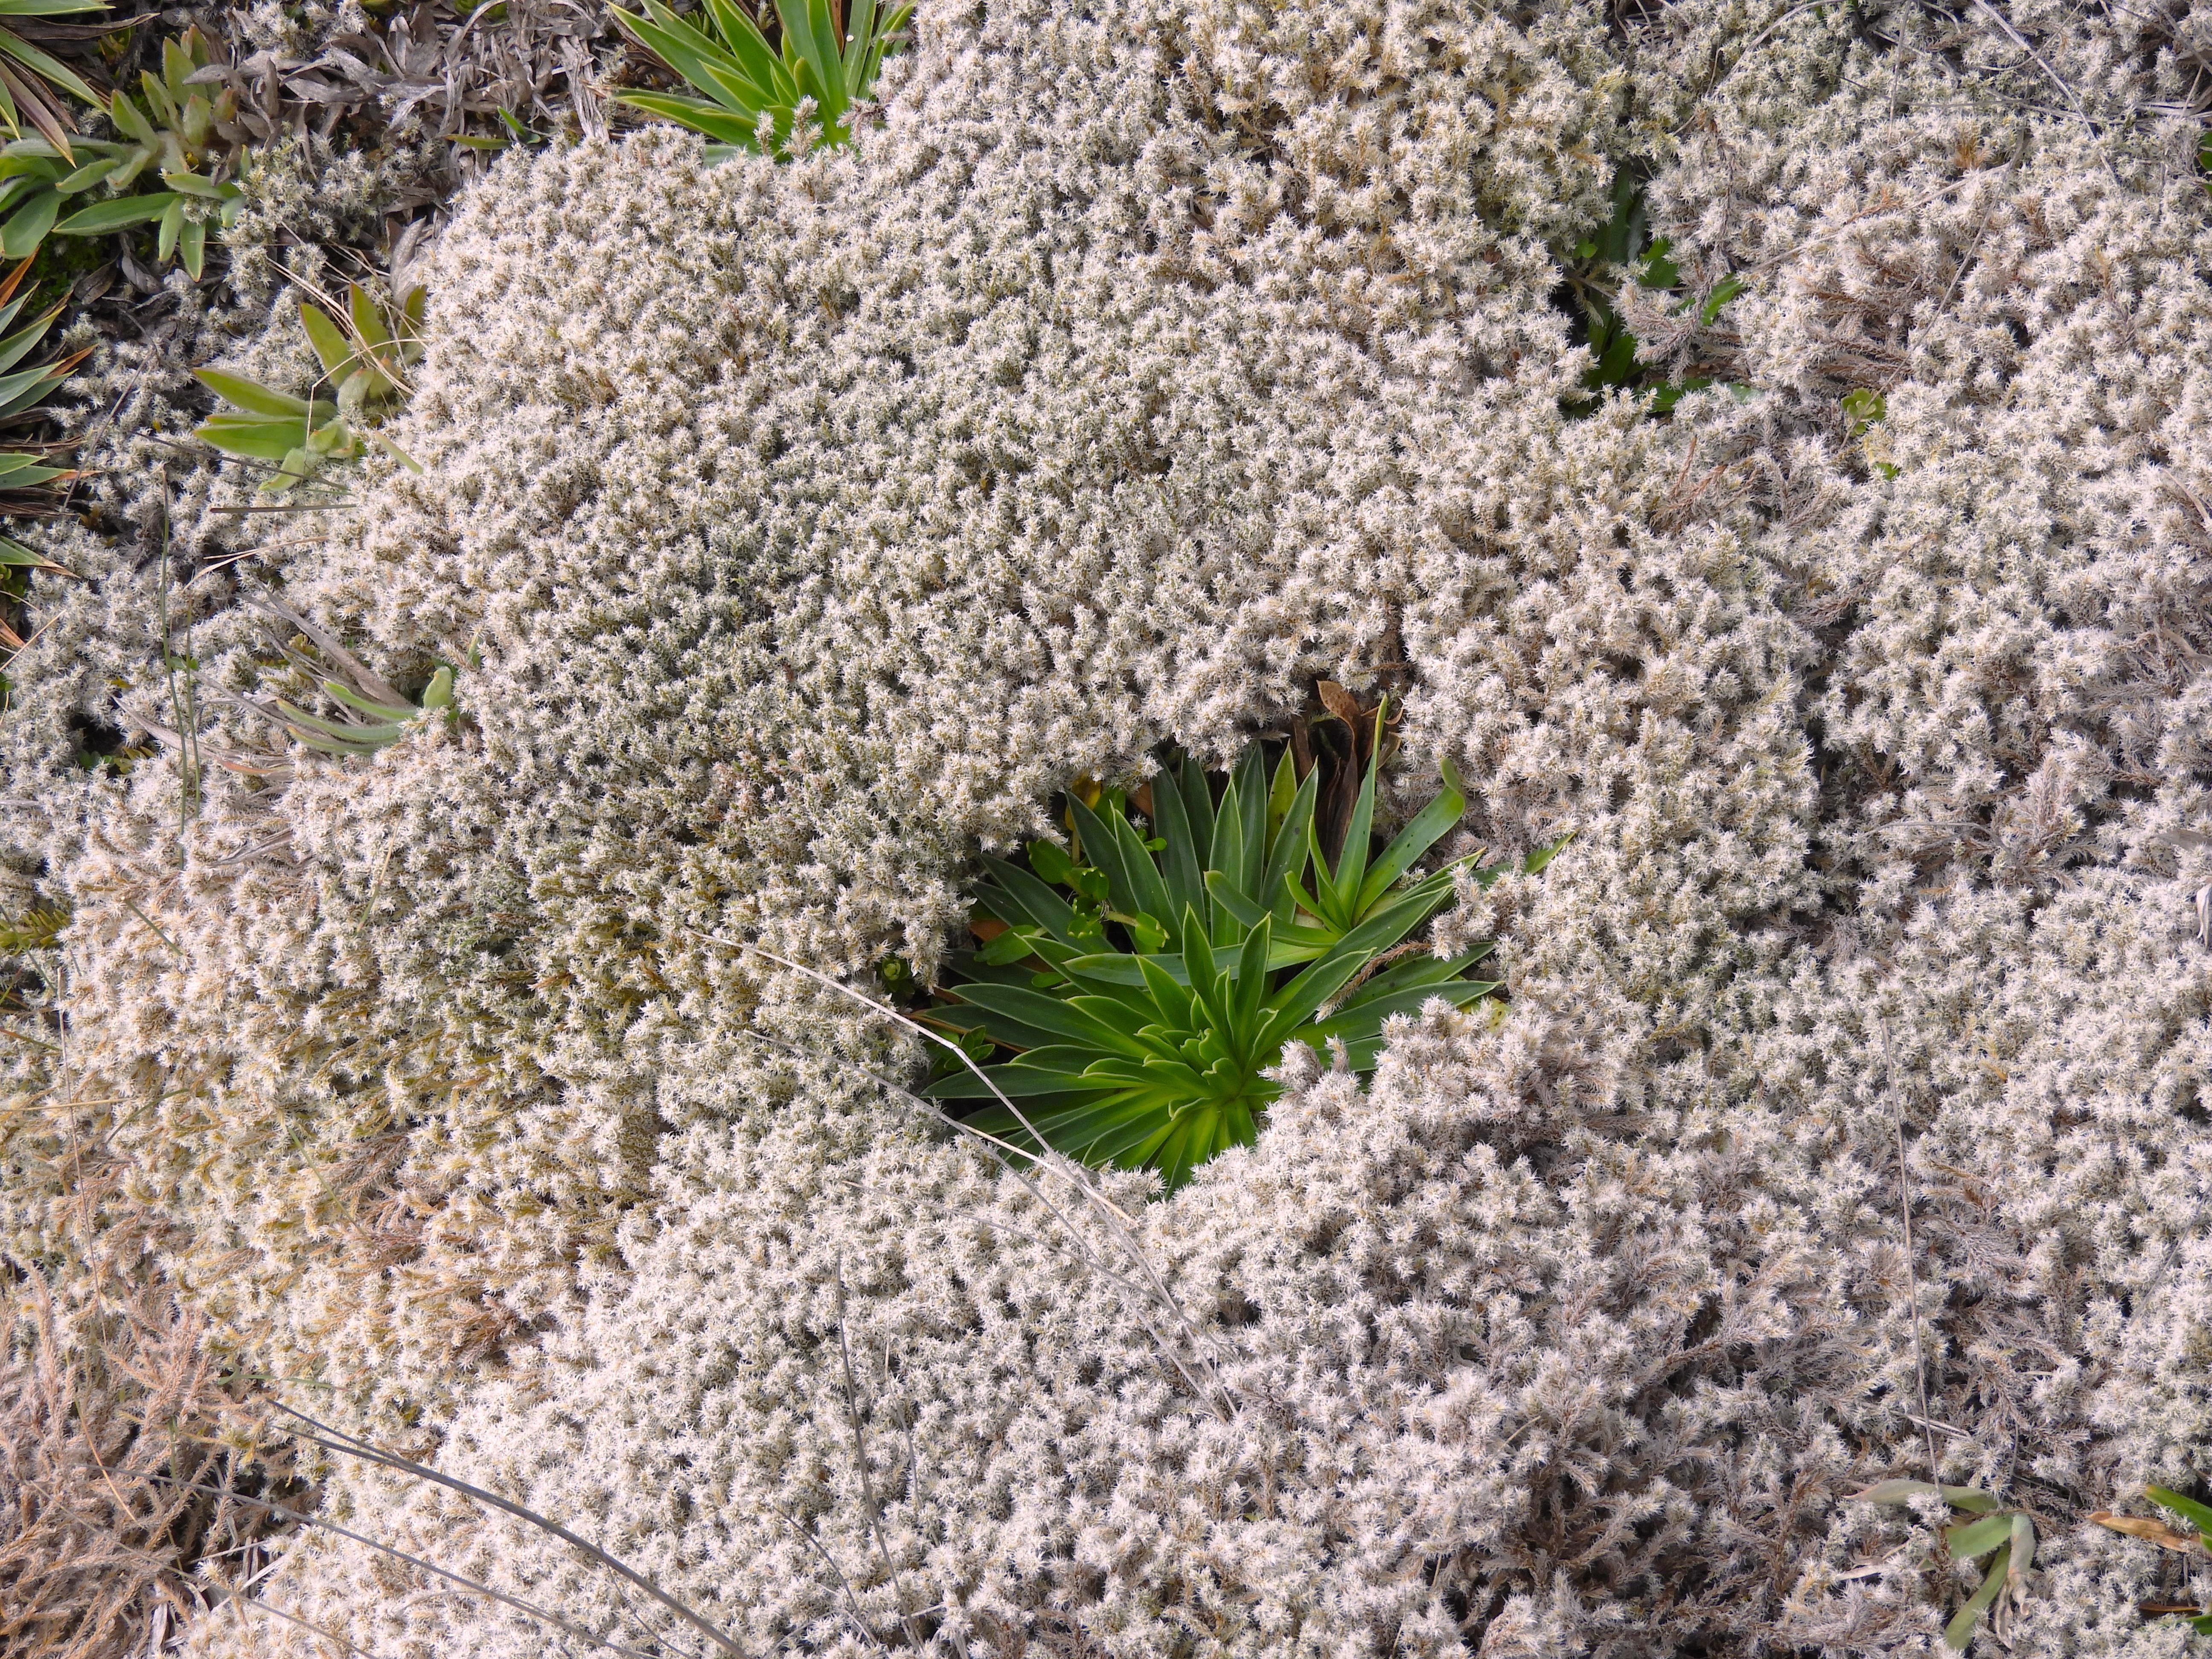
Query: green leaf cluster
{"x": 1625, "y": 241}
{"x": 388, "y": 720}
{"x": 2005, "y": 1537}
{"x": 38, "y": 929}
{"x": 749, "y": 90}
{"x": 28, "y": 76}
{"x": 365, "y": 356}
{"x": 21, "y": 389}
{"x": 174, "y": 138}
{"x": 1140, "y": 985}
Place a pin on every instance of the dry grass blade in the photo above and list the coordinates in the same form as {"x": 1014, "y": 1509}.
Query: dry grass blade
{"x": 568, "y": 1627}
{"x": 2155, "y": 1532}
{"x": 96, "y": 1530}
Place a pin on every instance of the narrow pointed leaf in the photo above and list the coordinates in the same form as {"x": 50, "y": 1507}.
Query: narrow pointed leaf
{"x": 119, "y": 214}
{"x": 250, "y": 395}
{"x": 1960, "y": 1629}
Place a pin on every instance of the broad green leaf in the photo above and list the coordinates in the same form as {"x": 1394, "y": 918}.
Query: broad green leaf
{"x": 757, "y": 59}
{"x": 1037, "y": 1012}
{"x": 712, "y": 119}
{"x": 378, "y": 736}
{"x": 119, "y": 214}
{"x": 1182, "y": 861}
{"x": 22, "y": 472}
{"x": 15, "y": 554}
{"x": 255, "y": 437}
{"x": 367, "y": 317}
{"x": 129, "y": 120}
{"x": 888, "y": 25}
{"x": 1104, "y": 850}
{"x": 191, "y": 184}
{"x": 193, "y": 249}
{"x": 1287, "y": 856}
{"x": 28, "y": 226}
{"x": 384, "y": 711}
{"x": 1350, "y": 872}
{"x": 1422, "y": 831}
{"x": 1055, "y": 1069}
{"x": 18, "y": 344}
{"x": 1051, "y": 862}
{"x": 699, "y": 60}
{"x": 1245, "y": 912}
{"x": 1033, "y": 902}
{"x": 1904, "y": 1492}
{"x": 1978, "y": 1537}
{"x": 52, "y": 68}
{"x": 33, "y": 380}
{"x": 1147, "y": 888}
{"x": 87, "y": 176}
{"x": 808, "y": 24}
{"x": 1197, "y": 809}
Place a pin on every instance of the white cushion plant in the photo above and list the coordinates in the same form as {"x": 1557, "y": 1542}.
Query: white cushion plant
{"x": 1142, "y": 364}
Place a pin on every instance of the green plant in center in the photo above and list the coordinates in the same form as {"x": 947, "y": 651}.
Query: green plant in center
{"x": 751, "y": 89}
{"x": 1135, "y": 988}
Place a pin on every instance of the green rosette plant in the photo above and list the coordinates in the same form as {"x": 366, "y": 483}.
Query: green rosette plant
{"x": 176, "y": 138}
{"x": 1134, "y": 989}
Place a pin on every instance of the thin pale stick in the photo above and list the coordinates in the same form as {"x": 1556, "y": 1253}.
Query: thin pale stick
{"x": 1912, "y": 1290}
{"x": 563, "y": 1625}
{"x": 860, "y": 1464}
{"x": 353, "y": 1446}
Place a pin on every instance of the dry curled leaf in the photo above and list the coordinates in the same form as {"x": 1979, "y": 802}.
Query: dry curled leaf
{"x": 2157, "y": 1532}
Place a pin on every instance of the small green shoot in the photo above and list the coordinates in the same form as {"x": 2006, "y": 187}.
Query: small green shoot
{"x": 365, "y": 353}
{"x": 752, "y": 91}
{"x": 172, "y": 133}
{"x": 387, "y": 722}
{"x": 37, "y": 928}
{"x": 1625, "y": 242}
{"x": 2003, "y": 1538}
{"x": 1140, "y": 984}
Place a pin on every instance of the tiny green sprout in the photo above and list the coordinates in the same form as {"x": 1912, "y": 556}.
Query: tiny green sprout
{"x": 365, "y": 353}
{"x": 38, "y": 929}
{"x": 2006, "y": 1537}
{"x": 1863, "y": 408}
{"x": 1718, "y": 301}
{"x": 387, "y": 723}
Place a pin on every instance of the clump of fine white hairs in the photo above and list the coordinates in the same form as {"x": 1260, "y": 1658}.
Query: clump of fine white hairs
{"x": 814, "y": 524}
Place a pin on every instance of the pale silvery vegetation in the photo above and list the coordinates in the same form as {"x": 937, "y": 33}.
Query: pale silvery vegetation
{"x": 1137, "y": 365}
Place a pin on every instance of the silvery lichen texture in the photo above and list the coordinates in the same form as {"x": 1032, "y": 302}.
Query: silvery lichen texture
{"x": 804, "y": 527}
